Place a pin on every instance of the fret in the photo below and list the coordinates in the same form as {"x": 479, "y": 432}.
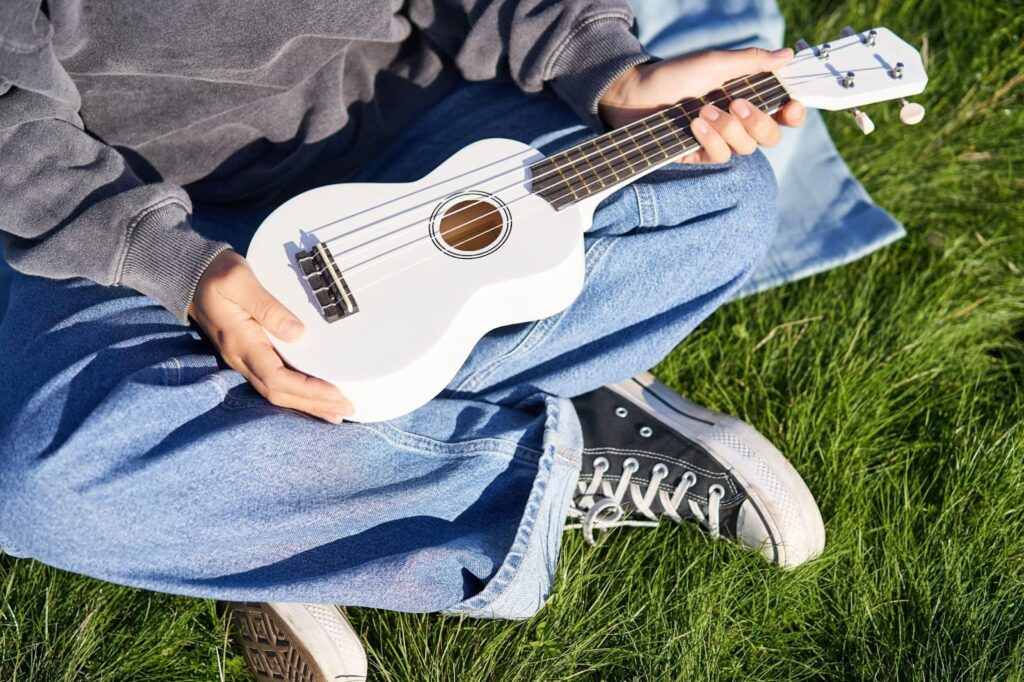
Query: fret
{"x": 720, "y": 98}
{"x": 682, "y": 125}
{"x": 671, "y": 122}
{"x": 546, "y": 176}
{"x": 611, "y": 166}
{"x": 657, "y": 139}
{"x": 558, "y": 167}
{"x": 580, "y": 173}
{"x": 588, "y": 156}
{"x": 647, "y": 163}
{"x": 753, "y": 92}
{"x": 618, "y": 155}
{"x": 622, "y": 155}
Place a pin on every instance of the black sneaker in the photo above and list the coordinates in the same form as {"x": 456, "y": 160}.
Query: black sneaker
{"x": 649, "y": 453}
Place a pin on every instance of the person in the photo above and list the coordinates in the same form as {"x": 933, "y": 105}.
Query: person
{"x": 150, "y": 435}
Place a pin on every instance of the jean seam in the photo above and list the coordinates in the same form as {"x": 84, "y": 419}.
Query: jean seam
{"x": 647, "y": 206}
{"x": 525, "y": 535}
{"x": 473, "y": 447}
{"x": 537, "y": 333}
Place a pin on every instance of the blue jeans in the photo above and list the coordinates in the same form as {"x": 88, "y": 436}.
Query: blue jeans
{"x": 130, "y": 454}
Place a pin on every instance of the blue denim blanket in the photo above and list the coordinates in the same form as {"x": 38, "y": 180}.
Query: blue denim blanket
{"x": 827, "y": 218}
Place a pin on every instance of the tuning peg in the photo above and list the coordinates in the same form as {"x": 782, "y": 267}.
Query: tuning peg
{"x": 801, "y": 45}
{"x": 847, "y": 32}
{"x": 872, "y": 37}
{"x": 865, "y": 124}
{"x": 910, "y": 112}
{"x": 824, "y": 51}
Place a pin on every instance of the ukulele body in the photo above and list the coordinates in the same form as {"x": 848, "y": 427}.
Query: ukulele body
{"x": 429, "y": 267}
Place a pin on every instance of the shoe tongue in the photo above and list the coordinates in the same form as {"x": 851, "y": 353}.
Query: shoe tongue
{"x": 604, "y": 431}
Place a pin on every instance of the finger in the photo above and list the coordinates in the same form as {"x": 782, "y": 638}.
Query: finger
{"x": 761, "y": 127}
{"x": 715, "y": 150}
{"x": 731, "y": 130}
{"x": 729, "y": 64}
{"x": 285, "y": 387}
{"x": 265, "y": 309}
{"x": 793, "y": 114}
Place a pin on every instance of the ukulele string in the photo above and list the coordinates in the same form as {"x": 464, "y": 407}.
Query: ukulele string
{"x": 776, "y": 100}
{"x": 492, "y": 163}
{"x": 665, "y": 122}
{"x": 394, "y": 234}
{"x": 398, "y": 249}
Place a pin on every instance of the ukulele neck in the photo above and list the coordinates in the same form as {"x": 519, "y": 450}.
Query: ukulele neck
{"x": 591, "y": 170}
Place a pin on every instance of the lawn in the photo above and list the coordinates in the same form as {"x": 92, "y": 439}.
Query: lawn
{"x": 896, "y": 386}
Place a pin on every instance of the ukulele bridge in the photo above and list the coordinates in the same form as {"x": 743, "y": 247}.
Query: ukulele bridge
{"x": 327, "y": 283}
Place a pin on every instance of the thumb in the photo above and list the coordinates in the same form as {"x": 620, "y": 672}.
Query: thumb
{"x": 271, "y": 314}
{"x": 735, "y": 63}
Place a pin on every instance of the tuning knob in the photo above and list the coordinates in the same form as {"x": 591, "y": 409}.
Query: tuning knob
{"x": 801, "y": 45}
{"x": 863, "y": 122}
{"x": 911, "y": 113}
{"x": 847, "y": 32}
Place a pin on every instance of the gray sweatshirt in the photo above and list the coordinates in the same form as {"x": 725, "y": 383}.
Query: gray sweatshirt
{"x": 114, "y": 114}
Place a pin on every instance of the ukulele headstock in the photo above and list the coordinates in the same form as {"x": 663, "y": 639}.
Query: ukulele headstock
{"x": 858, "y": 69}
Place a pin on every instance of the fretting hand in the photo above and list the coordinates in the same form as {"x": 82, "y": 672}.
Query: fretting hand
{"x": 651, "y": 87}
{"x": 233, "y": 309}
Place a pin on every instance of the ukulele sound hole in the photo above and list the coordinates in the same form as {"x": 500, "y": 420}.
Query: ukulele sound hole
{"x": 470, "y": 226}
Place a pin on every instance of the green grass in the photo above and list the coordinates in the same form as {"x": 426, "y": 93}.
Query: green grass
{"x": 896, "y": 386}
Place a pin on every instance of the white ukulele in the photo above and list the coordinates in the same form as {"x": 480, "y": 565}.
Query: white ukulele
{"x": 397, "y": 282}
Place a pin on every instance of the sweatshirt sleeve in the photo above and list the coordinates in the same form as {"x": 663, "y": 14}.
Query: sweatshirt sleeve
{"x": 70, "y": 205}
{"x": 575, "y": 47}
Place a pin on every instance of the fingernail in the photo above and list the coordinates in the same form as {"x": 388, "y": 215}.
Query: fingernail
{"x": 710, "y": 113}
{"x": 700, "y": 126}
{"x": 291, "y": 330}
{"x": 334, "y": 418}
{"x": 741, "y": 107}
{"x": 347, "y": 408}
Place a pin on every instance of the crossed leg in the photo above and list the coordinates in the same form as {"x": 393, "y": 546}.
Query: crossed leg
{"x": 127, "y": 453}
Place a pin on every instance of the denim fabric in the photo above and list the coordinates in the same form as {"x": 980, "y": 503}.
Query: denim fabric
{"x": 127, "y": 452}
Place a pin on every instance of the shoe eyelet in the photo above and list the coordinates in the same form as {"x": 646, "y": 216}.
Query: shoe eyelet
{"x": 716, "y": 490}
{"x": 690, "y": 478}
{"x": 621, "y": 412}
{"x": 631, "y": 464}
{"x": 660, "y": 470}
{"x": 645, "y": 431}
{"x": 601, "y": 463}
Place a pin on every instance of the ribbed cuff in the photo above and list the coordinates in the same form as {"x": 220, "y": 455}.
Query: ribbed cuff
{"x": 166, "y": 257}
{"x": 597, "y": 53}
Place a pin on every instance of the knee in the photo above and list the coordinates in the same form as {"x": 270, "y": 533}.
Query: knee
{"x": 755, "y": 194}
{"x": 42, "y": 515}
{"x": 15, "y": 515}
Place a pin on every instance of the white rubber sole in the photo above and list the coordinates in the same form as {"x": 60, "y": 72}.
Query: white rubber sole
{"x": 298, "y": 643}
{"x": 773, "y": 486}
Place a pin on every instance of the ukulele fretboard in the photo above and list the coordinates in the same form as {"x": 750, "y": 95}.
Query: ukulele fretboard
{"x": 617, "y": 157}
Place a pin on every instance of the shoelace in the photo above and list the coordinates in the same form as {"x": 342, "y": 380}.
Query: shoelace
{"x": 607, "y": 511}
